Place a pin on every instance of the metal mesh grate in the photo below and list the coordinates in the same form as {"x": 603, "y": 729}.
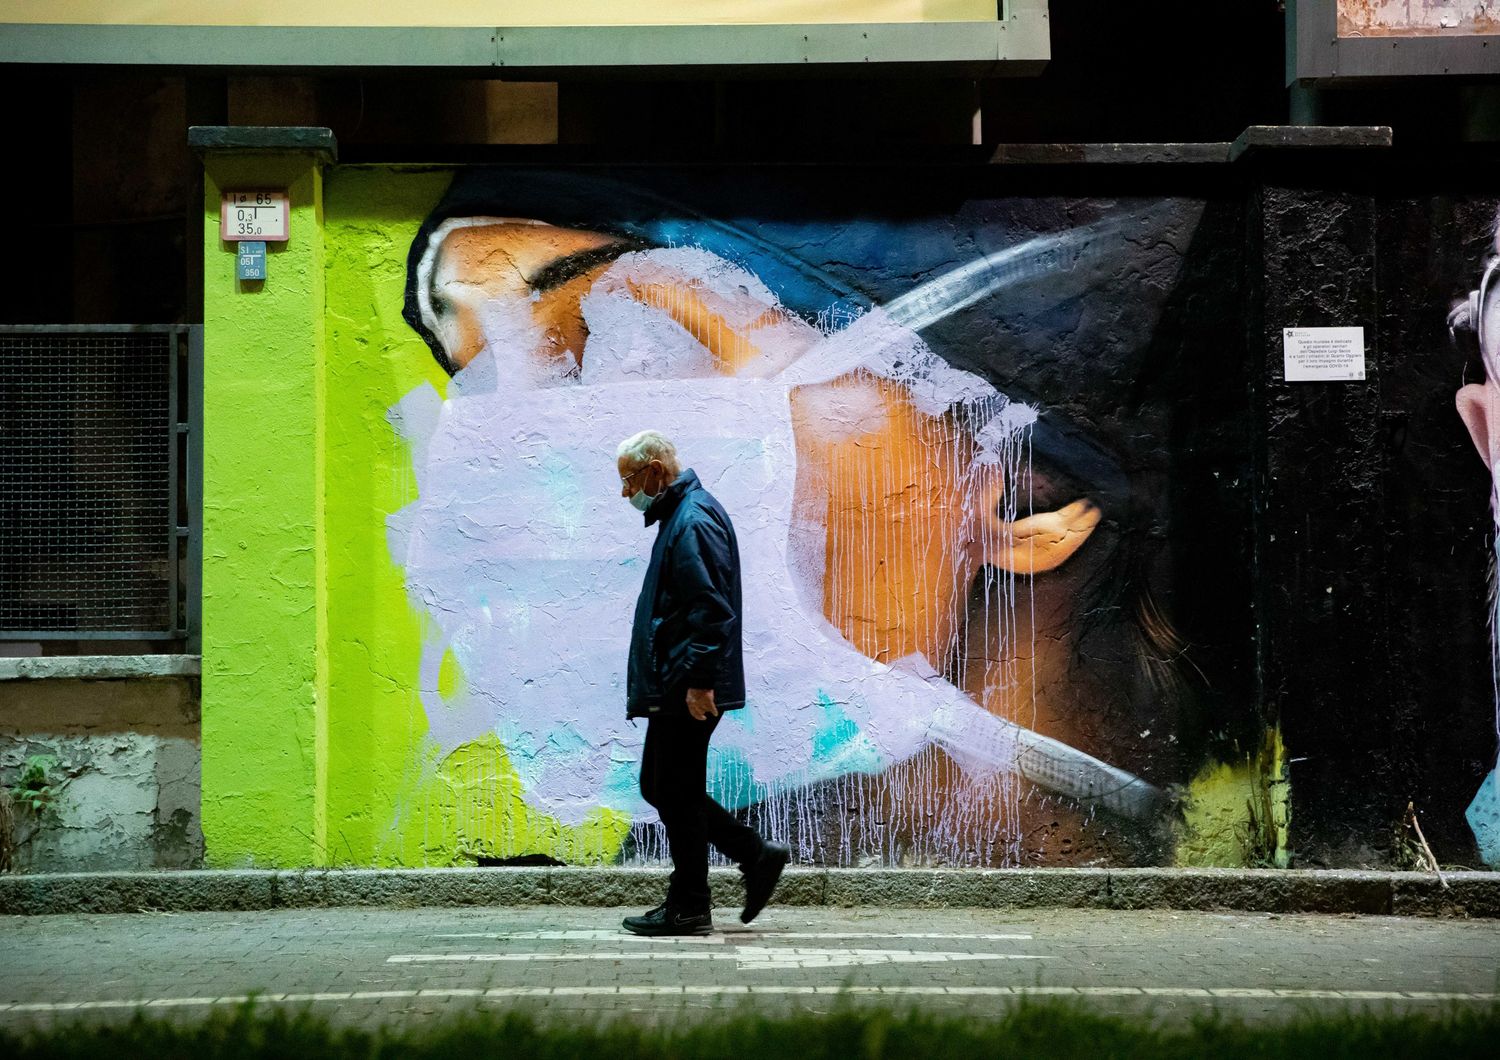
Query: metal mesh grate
{"x": 87, "y": 490}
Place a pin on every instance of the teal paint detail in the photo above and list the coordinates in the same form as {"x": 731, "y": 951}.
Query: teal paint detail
{"x": 520, "y": 748}
{"x": 838, "y": 729}
{"x": 1483, "y": 816}
{"x": 565, "y": 492}
{"x": 622, "y": 784}
{"x": 840, "y": 747}
{"x": 568, "y": 741}
{"x": 731, "y": 780}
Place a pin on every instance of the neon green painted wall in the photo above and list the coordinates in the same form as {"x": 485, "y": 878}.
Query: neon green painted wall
{"x": 314, "y": 748}
{"x": 262, "y": 699}
{"x": 391, "y": 801}
{"x": 375, "y": 643}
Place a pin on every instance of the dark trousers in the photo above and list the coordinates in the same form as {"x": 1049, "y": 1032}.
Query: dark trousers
{"x": 674, "y": 779}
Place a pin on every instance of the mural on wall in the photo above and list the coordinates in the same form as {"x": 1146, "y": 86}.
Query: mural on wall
{"x": 1401, "y": 18}
{"x": 916, "y": 539}
{"x": 1478, "y": 316}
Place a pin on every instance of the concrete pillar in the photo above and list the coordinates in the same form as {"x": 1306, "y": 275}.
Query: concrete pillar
{"x": 264, "y": 670}
{"x": 1323, "y": 627}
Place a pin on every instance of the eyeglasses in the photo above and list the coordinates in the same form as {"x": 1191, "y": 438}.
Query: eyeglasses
{"x": 625, "y": 481}
{"x": 1469, "y": 316}
{"x": 1478, "y": 300}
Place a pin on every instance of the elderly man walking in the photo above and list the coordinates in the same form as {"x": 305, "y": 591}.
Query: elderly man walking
{"x": 686, "y": 667}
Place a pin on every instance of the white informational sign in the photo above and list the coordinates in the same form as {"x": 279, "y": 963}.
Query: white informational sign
{"x": 1314, "y": 355}
{"x": 263, "y": 216}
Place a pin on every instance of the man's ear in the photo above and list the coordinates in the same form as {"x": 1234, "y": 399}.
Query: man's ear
{"x": 1041, "y": 542}
{"x": 1474, "y": 405}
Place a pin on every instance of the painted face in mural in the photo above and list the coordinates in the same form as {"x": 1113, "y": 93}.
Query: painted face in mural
{"x": 870, "y": 482}
{"x": 1478, "y": 402}
{"x": 1479, "y": 408}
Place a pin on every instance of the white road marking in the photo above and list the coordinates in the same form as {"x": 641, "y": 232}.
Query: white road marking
{"x": 505, "y": 993}
{"x": 620, "y": 935}
{"x": 749, "y": 958}
{"x": 496, "y": 958}
{"x": 771, "y": 958}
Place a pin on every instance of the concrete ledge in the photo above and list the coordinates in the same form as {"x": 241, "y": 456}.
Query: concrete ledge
{"x": 1470, "y": 894}
{"x": 1110, "y": 154}
{"x": 1258, "y": 138}
{"x": 98, "y": 667}
{"x": 1260, "y": 890}
{"x": 264, "y": 139}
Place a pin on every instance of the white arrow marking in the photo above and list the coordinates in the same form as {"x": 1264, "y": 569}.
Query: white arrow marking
{"x": 617, "y": 935}
{"x": 750, "y": 958}
{"x": 769, "y": 958}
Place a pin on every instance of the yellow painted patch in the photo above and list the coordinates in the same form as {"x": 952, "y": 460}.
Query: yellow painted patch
{"x": 451, "y": 681}
{"x": 470, "y": 806}
{"x": 1238, "y": 814}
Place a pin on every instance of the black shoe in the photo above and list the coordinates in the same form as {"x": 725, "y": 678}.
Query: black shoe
{"x": 664, "y": 921}
{"x": 761, "y": 879}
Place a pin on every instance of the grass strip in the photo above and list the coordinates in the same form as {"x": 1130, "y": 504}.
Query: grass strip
{"x": 1051, "y": 1029}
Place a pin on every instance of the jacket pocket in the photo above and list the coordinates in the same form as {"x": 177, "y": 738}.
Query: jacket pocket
{"x": 653, "y": 658}
{"x": 671, "y": 653}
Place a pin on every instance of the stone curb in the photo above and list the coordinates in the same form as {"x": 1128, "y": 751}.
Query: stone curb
{"x": 1470, "y": 894}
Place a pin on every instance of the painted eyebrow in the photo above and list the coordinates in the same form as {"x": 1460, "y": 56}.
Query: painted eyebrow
{"x": 559, "y": 271}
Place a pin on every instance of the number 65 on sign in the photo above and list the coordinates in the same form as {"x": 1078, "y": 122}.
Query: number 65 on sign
{"x": 254, "y": 215}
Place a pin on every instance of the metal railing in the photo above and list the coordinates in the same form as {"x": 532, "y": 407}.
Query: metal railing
{"x": 100, "y": 482}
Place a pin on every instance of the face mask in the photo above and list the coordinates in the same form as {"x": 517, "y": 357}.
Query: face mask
{"x": 641, "y": 501}
{"x": 505, "y": 595}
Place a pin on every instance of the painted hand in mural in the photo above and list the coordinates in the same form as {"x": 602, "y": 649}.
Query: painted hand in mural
{"x": 870, "y": 480}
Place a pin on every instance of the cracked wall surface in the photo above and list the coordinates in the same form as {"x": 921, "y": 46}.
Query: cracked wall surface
{"x": 126, "y": 779}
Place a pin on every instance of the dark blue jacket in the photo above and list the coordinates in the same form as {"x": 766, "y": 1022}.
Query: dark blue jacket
{"x": 687, "y": 620}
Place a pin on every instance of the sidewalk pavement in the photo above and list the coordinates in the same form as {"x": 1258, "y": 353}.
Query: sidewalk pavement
{"x": 366, "y": 966}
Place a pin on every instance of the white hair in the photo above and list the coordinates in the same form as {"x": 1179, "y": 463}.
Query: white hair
{"x": 645, "y": 446}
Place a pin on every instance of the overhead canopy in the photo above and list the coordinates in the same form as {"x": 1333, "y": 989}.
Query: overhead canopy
{"x": 487, "y": 12}
{"x": 548, "y": 37}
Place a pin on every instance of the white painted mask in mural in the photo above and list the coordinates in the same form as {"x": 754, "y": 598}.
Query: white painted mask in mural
{"x": 520, "y": 550}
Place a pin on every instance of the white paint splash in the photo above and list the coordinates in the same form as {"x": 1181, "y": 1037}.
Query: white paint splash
{"x": 528, "y": 561}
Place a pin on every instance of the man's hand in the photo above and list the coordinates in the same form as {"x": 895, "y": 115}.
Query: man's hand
{"x": 700, "y": 704}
